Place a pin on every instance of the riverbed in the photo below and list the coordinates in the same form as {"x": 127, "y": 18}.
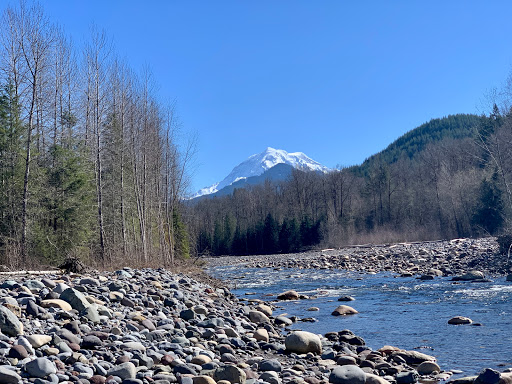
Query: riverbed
{"x": 401, "y": 311}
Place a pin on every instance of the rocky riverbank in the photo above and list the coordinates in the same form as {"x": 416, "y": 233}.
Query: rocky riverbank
{"x": 428, "y": 259}
{"x": 154, "y": 327}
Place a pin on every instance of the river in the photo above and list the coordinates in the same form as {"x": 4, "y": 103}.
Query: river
{"x": 404, "y": 312}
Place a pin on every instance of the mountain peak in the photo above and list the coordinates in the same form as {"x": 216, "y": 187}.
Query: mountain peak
{"x": 258, "y": 163}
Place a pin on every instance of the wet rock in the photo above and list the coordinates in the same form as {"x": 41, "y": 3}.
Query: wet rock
{"x": 488, "y": 376}
{"x": 344, "y": 310}
{"x": 288, "y": 295}
{"x": 413, "y": 357}
{"x": 407, "y": 377}
{"x": 303, "y": 342}
{"x": 427, "y": 368}
{"x": 346, "y": 298}
{"x": 460, "y": 320}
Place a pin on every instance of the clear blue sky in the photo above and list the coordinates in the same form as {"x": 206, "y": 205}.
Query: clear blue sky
{"x": 337, "y": 80}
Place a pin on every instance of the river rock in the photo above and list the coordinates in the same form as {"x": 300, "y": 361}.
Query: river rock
{"x": 264, "y": 309}
{"x": 288, "y": 295}
{"x": 409, "y": 377}
{"x": 258, "y": 317}
{"x": 414, "y": 357}
{"x": 303, "y": 342}
{"x": 472, "y": 275}
{"x": 230, "y": 373}
{"x": 124, "y": 370}
{"x": 38, "y": 341}
{"x": 203, "y": 380}
{"x": 374, "y": 379}
{"x": 488, "y": 376}
{"x": 459, "y": 320}
{"x": 9, "y": 323}
{"x": 347, "y": 374}
{"x": 343, "y": 310}
{"x": 56, "y": 303}
{"x": 8, "y": 376}
{"x": 427, "y": 368}
{"x": 261, "y": 335}
{"x": 75, "y": 298}
{"x": 40, "y": 367}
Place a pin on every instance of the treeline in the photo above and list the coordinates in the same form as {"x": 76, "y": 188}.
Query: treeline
{"x": 89, "y": 161}
{"x": 264, "y": 238}
{"x": 456, "y": 183}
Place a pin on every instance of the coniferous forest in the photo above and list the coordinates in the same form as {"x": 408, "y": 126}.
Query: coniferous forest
{"x": 448, "y": 178}
{"x": 93, "y": 166}
{"x": 89, "y": 161}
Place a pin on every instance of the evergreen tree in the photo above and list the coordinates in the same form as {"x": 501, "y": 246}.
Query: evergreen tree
{"x": 66, "y": 205}
{"x": 489, "y": 212}
{"x": 270, "y": 235}
{"x": 182, "y": 243}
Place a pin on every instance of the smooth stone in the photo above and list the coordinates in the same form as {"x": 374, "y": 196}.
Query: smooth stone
{"x": 271, "y": 365}
{"x": 40, "y": 367}
{"x": 428, "y": 367}
{"x": 230, "y": 373}
{"x": 374, "y": 379}
{"x": 270, "y": 377}
{"x": 472, "y": 275}
{"x": 200, "y": 359}
{"x": 303, "y": 342}
{"x": 56, "y": 303}
{"x": 261, "y": 335}
{"x": 38, "y": 341}
{"x": 288, "y": 295}
{"x": 347, "y": 374}
{"x": 344, "y": 310}
{"x": 9, "y": 323}
{"x": 460, "y": 320}
{"x": 8, "y": 376}
{"x": 264, "y": 309}
{"x": 346, "y": 298}
{"x": 414, "y": 357}
{"x": 18, "y": 352}
{"x": 124, "y": 370}
{"x": 258, "y": 317}
{"x": 488, "y": 376}
{"x": 346, "y": 360}
{"x": 203, "y": 380}
{"x": 407, "y": 377}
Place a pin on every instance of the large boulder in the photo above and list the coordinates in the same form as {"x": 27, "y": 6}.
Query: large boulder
{"x": 471, "y": 275}
{"x": 347, "y": 374}
{"x": 9, "y": 323}
{"x": 488, "y": 376}
{"x": 303, "y": 342}
{"x": 344, "y": 310}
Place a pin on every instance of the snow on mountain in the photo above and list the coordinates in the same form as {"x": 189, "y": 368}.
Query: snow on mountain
{"x": 256, "y": 164}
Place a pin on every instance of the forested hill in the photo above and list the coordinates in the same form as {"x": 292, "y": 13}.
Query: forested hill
{"x": 457, "y": 126}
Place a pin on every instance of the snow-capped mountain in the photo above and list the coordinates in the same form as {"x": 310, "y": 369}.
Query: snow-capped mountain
{"x": 257, "y": 164}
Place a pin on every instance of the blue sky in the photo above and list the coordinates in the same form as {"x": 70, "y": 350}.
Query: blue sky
{"x": 337, "y": 80}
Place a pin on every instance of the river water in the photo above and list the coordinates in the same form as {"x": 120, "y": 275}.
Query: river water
{"x": 403, "y": 312}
